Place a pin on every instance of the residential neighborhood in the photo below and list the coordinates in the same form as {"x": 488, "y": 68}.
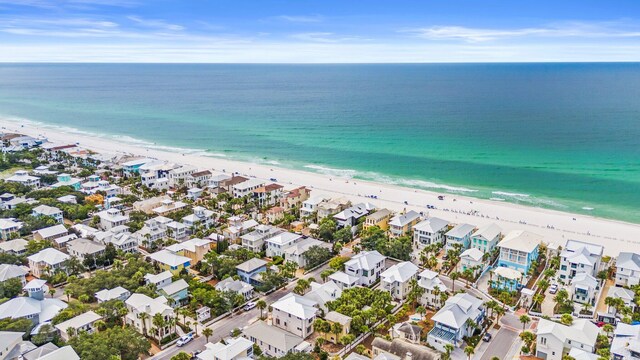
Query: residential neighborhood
{"x": 216, "y": 266}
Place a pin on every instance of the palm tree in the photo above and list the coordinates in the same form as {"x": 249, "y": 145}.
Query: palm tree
{"x": 336, "y": 329}
{"x": 537, "y": 299}
{"x": 52, "y": 292}
{"x": 159, "y": 323}
{"x": 122, "y": 312}
{"x": 524, "y": 319}
{"x": 207, "y": 332}
{"x": 454, "y": 276}
{"x": 469, "y": 350}
{"x": 261, "y": 304}
{"x": 448, "y": 349}
{"x": 143, "y": 316}
{"x": 100, "y": 325}
{"x": 499, "y": 312}
{"x": 67, "y": 292}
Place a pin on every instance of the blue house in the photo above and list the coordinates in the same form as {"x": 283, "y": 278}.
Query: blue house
{"x": 454, "y": 321}
{"x": 67, "y": 180}
{"x": 507, "y": 279}
{"x": 461, "y": 234}
{"x": 177, "y": 292}
{"x": 249, "y": 269}
{"x": 518, "y": 250}
{"x": 133, "y": 167}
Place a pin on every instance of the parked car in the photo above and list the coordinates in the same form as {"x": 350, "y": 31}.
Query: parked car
{"x": 487, "y": 337}
{"x": 553, "y": 289}
{"x": 600, "y": 323}
{"x": 250, "y": 305}
{"x": 185, "y": 339}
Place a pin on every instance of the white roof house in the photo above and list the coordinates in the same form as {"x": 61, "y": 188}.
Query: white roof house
{"x": 277, "y": 244}
{"x": 401, "y": 272}
{"x": 143, "y": 303}
{"x": 521, "y": 240}
{"x": 16, "y": 246}
{"x": 323, "y": 293}
{"x": 577, "y": 257}
{"x": 160, "y": 279}
{"x": 626, "y": 341}
{"x": 81, "y": 248}
{"x": 63, "y": 353}
{"x": 169, "y": 258}
{"x": 119, "y": 293}
{"x": 272, "y": 341}
{"x": 556, "y": 338}
{"x": 404, "y": 219}
{"x": 627, "y": 269}
{"x": 49, "y": 256}
{"x": 51, "y": 232}
{"x": 39, "y": 311}
{"x": 472, "y": 254}
{"x": 189, "y": 245}
{"x": 235, "y": 349}
{"x": 366, "y": 266}
{"x": 23, "y": 177}
{"x": 344, "y": 280}
{"x": 488, "y": 232}
{"x": 46, "y": 210}
{"x": 8, "y": 271}
{"x": 296, "y": 305}
{"x": 430, "y": 280}
{"x": 83, "y": 321}
{"x": 457, "y": 310}
{"x": 431, "y": 225}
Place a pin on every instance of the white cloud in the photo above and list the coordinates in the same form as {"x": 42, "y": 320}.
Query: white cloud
{"x": 323, "y": 37}
{"x": 564, "y": 29}
{"x": 154, "y": 23}
{"x": 300, "y": 18}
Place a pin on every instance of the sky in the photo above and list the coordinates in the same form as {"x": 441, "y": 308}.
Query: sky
{"x": 322, "y": 31}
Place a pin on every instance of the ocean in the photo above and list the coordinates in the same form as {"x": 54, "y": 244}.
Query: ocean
{"x": 558, "y": 136}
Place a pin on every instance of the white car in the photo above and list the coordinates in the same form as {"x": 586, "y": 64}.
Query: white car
{"x": 553, "y": 289}
{"x": 185, "y": 339}
{"x": 250, "y": 305}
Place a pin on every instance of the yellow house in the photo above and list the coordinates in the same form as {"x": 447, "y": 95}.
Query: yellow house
{"x": 402, "y": 224}
{"x": 168, "y": 260}
{"x": 194, "y": 249}
{"x": 379, "y": 218}
{"x": 336, "y": 317}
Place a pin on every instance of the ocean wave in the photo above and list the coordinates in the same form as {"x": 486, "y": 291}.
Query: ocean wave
{"x": 346, "y": 173}
{"x": 504, "y": 193}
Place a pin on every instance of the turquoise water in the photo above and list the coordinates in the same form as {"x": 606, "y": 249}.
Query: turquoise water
{"x": 559, "y": 136}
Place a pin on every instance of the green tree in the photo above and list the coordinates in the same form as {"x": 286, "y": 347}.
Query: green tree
{"x": 181, "y": 356}
{"x": 10, "y": 288}
{"x": 469, "y": 350}
{"x": 524, "y": 319}
{"x": 566, "y": 319}
{"x": 316, "y": 255}
{"x": 123, "y": 342}
{"x": 206, "y": 332}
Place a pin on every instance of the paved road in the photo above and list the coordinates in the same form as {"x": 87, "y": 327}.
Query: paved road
{"x": 240, "y": 320}
{"x": 503, "y": 340}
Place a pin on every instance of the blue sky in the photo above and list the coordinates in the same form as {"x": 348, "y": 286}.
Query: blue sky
{"x": 319, "y": 31}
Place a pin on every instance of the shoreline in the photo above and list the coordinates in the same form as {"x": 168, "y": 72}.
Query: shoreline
{"x": 614, "y": 235}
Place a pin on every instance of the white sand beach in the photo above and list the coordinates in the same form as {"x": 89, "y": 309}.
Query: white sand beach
{"x": 616, "y": 236}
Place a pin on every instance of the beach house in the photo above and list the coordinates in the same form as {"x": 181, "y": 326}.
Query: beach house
{"x": 178, "y": 175}
{"x": 138, "y": 304}
{"x": 159, "y": 280}
{"x": 310, "y": 206}
{"x": 330, "y": 207}
{"x": 248, "y": 270}
{"x": 168, "y": 206}
{"x": 35, "y": 306}
{"x": 296, "y": 252}
{"x": 84, "y": 322}
{"x": 294, "y": 198}
{"x": 554, "y": 340}
{"x": 276, "y": 245}
{"x": 23, "y": 177}
{"x": 433, "y": 287}
{"x": 233, "y": 349}
{"x": 132, "y": 167}
{"x": 246, "y": 188}
{"x": 380, "y": 218}
{"x": 68, "y": 180}
{"x": 579, "y": 257}
{"x": 272, "y": 340}
{"x": 254, "y": 240}
{"x": 45, "y": 210}
{"x": 201, "y": 218}
{"x": 9, "y": 228}
{"x": 10, "y": 271}
{"x": 429, "y": 231}
{"x": 518, "y": 250}
{"x": 397, "y": 278}
{"x": 268, "y": 195}
{"x": 168, "y": 260}
{"x": 455, "y": 320}
{"x": 402, "y": 224}
{"x": 323, "y": 293}
{"x": 473, "y": 259}
{"x": 155, "y": 174}
{"x": 344, "y": 280}
{"x": 50, "y": 233}
{"x": 14, "y": 247}
{"x": 47, "y": 262}
{"x": 627, "y": 269}
{"x": 112, "y": 218}
{"x": 486, "y": 238}
{"x": 348, "y": 218}
{"x": 117, "y": 293}
{"x": 199, "y": 178}
{"x": 236, "y": 286}
{"x": 295, "y": 314}
{"x": 584, "y": 288}
{"x": 85, "y": 249}
{"x": 195, "y": 249}
{"x": 366, "y": 266}
{"x": 460, "y": 235}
